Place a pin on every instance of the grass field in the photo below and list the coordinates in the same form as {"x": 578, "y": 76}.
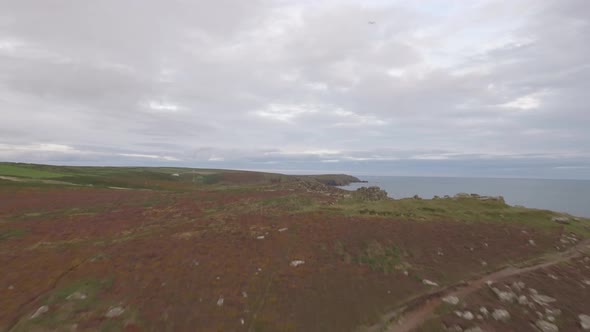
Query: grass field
{"x": 27, "y": 171}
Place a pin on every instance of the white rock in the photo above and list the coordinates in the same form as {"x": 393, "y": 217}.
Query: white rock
{"x": 584, "y": 321}
{"x": 504, "y": 296}
{"x": 283, "y": 229}
{"x": 114, "y": 312}
{"x": 261, "y": 237}
{"x": 76, "y": 296}
{"x": 296, "y": 263}
{"x": 429, "y": 283}
{"x": 545, "y": 326}
{"x": 542, "y": 299}
{"x": 561, "y": 220}
{"x": 220, "y": 302}
{"x": 468, "y": 315}
{"x": 551, "y": 318}
{"x": 552, "y": 312}
{"x": 42, "y": 309}
{"x": 522, "y": 300}
{"x": 451, "y": 299}
{"x": 244, "y": 294}
{"x": 532, "y": 242}
{"x": 242, "y": 321}
{"x": 484, "y": 311}
{"x": 516, "y": 287}
{"x": 501, "y": 315}
{"x": 11, "y": 287}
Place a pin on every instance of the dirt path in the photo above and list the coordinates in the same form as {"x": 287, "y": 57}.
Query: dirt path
{"x": 22, "y": 310}
{"x": 418, "y": 310}
{"x": 16, "y": 179}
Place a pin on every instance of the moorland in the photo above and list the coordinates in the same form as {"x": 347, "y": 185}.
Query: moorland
{"x": 181, "y": 249}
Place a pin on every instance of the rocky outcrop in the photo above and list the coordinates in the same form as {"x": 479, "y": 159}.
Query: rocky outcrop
{"x": 561, "y": 220}
{"x": 479, "y": 197}
{"x": 334, "y": 179}
{"x": 370, "y": 194}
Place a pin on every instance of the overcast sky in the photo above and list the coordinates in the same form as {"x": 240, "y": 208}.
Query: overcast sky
{"x": 449, "y": 88}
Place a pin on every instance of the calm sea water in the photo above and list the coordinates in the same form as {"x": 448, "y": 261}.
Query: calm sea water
{"x": 571, "y": 196}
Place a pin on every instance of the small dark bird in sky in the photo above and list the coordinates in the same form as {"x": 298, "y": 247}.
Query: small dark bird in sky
{"x": 371, "y": 22}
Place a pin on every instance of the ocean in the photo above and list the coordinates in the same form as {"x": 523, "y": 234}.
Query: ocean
{"x": 570, "y": 196}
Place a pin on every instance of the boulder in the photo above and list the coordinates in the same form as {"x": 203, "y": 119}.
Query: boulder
{"x": 429, "y": 283}
{"x": 484, "y": 311}
{"x": 542, "y": 299}
{"x": 371, "y": 194}
{"x": 504, "y": 296}
{"x": 296, "y": 263}
{"x": 451, "y": 299}
{"x": 561, "y": 220}
{"x": 468, "y": 315}
{"x": 114, "y": 312}
{"x": 76, "y": 296}
{"x": 584, "y": 321}
{"x": 522, "y": 300}
{"x": 39, "y": 312}
{"x": 501, "y": 315}
{"x": 545, "y": 326}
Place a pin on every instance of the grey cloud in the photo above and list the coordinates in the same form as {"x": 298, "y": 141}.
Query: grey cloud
{"x": 485, "y": 88}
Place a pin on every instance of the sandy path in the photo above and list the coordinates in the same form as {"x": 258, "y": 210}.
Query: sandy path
{"x": 417, "y": 311}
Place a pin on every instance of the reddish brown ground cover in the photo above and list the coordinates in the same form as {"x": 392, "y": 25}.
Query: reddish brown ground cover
{"x": 168, "y": 258}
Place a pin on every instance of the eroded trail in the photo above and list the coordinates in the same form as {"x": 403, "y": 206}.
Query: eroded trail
{"x": 418, "y": 310}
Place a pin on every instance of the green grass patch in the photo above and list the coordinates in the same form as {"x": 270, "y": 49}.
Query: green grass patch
{"x": 380, "y": 257}
{"x": 470, "y": 210}
{"x": 377, "y": 256}
{"x": 89, "y": 287}
{"x": 70, "y": 305}
{"x": 28, "y": 171}
{"x": 12, "y": 233}
{"x": 290, "y": 203}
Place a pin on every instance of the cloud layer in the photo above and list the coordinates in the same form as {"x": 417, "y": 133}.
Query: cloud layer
{"x": 478, "y": 88}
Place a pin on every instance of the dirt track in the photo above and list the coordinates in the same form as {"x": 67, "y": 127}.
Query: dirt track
{"x": 417, "y": 311}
